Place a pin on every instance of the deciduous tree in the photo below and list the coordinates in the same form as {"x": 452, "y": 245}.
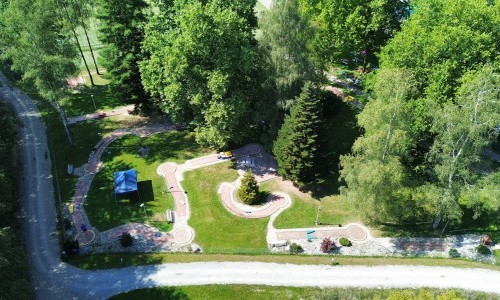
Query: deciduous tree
{"x": 201, "y": 69}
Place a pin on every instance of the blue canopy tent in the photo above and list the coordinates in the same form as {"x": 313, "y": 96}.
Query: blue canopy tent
{"x": 126, "y": 182}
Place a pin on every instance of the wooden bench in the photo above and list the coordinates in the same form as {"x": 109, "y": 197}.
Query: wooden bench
{"x": 170, "y": 216}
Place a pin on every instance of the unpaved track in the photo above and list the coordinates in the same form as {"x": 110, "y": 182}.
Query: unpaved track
{"x": 56, "y": 280}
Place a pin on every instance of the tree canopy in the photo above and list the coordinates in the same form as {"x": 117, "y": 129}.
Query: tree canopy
{"x": 296, "y": 147}
{"x": 121, "y": 29}
{"x": 34, "y": 40}
{"x": 354, "y": 28}
{"x": 201, "y": 68}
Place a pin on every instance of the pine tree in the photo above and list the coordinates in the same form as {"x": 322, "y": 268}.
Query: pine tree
{"x": 121, "y": 29}
{"x": 296, "y": 147}
{"x": 248, "y": 192}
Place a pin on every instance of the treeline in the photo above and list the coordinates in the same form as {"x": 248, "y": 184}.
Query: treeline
{"x": 14, "y": 276}
{"x": 435, "y": 108}
{"x": 209, "y": 64}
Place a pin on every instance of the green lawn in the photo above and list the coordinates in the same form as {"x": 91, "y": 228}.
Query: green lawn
{"x": 216, "y": 229}
{"x": 250, "y": 292}
{"x": 120, "y": 260}
{"x": 496, "y": 253}
{"x": 79, "y": 102}
{"x": 334, "y": 209}
{"x": 106, "y": 212}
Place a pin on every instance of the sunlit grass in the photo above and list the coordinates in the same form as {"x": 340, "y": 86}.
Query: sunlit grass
{"x": 105, "y": 211}
{"x": 217, "y": 230}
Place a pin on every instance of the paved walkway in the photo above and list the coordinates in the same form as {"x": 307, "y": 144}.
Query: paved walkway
{"x": 252, "y": 157}
{"x": 108, "y": 113}
{"x": 88, "y": 171}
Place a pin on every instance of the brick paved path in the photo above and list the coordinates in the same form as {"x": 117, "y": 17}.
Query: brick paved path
{"x": 251, "y": 157}
{"x": 88, "y": 172}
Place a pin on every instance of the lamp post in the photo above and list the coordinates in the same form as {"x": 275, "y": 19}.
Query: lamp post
{"x": 317, "y": 215}
{"x": 93, "y": 101}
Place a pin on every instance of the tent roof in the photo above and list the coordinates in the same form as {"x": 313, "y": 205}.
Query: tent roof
{"x": 125, "y": 182}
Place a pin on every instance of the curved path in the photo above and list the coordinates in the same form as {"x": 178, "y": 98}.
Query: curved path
{"x": 87, "y": 173}
{"x": 53, "y": 279}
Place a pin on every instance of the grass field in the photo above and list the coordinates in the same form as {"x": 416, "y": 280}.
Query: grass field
{"x": 250, "y": 292}
{"x": 106, "y": 212}
{"x": 107, "y": 261}
{"x": 217, "y": 230}
{"x": 333, "y": 210}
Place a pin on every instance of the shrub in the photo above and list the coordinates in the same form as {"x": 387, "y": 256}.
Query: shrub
{"x": 71, "y": 246}
{"x": 126, "y": 240}
{"x": 345, "y": 242}
{"x": 295, "y": 249}
{"x": 327, "y": 245}
{"x": 482, "y": 249}
{"x": 453, "y": 253}
{"x": 67, "y": 224}
{"x": 248, "y": 192}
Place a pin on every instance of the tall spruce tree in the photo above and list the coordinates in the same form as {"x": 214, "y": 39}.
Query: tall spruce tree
{"x": 121, "y": 29}
{"x": 296, "y": 147}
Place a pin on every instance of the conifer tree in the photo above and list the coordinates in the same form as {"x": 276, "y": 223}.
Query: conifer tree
{"x": 296, "y": 147}
{"x": 248, "y": 192}
{"x": 121, "y": 29}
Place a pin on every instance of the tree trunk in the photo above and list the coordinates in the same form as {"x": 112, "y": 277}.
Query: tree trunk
{"x": 90, "y": 47}
{"x": 83, "y": 56}
{"x": 79, "y": 46}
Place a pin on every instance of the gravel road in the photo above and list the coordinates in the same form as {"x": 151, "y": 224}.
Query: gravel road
{"x": 54, "y": 279}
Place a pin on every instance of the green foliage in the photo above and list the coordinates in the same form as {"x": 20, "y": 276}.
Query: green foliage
{"x": 126, "y": 240}
{"x": 121, "y": 29}
{"x": 201, "y": 66}
{"x": 14, "y": 276}
{"x": 453, "y": 253}
{"x": 346, "y": 28}
{"x": 286, "y": 51}
{"x": 482, "y": 249}
{"x": 250, "y": 292}
{"x": 462, "y": 130}
{"x": 33, "y": 38}
{"x": 296, "y": 147}
{"x": 439, "y": 43}
{"x": 295, "y": 248}
{"x": 375, "y": 176}
{"x": 248, "y": 192}
{"x": 345, "y": 242}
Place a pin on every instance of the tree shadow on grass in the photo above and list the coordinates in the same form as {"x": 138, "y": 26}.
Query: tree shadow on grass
{"x": 167, "y": 293}
{"x": 177, "y": 145}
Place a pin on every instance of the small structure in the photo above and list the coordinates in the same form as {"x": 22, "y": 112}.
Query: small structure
{"x": 170, "y": 216}
{"x": 225, "y": 155}
{"x": 143, "y": 151}
{"x": 126, "y": 182}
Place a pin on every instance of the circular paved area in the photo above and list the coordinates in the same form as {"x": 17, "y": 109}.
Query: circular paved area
{"x": 183, "y": 235}
{"x": 85, "y": 238}
{"x": 166, "y": 168}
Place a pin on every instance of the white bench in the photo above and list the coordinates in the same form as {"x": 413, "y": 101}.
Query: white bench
{"x": 170, "y": 216}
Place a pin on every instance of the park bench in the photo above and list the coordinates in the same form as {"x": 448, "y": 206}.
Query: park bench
{"x": 170, "y": 216}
